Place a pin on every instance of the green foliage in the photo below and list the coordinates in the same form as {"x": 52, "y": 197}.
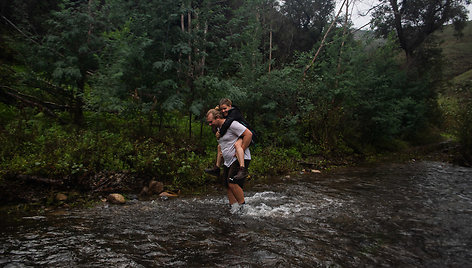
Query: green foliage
{"x": 456, "y": 106}
{"x": 457, "y": 51}
{"x": 465, "y": 127}
{"x": 271, "y": 160}
{"x": 55, "y": 151}
{"x": 273, "y": 106}
{"x": 414, "y": 21}
{"x": 139, "y": 77}
{"x": 7, "y": 114}
{"x": 388, "y": 104}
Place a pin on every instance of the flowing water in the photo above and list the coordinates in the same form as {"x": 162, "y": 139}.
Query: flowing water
{"x": 417, "y": 214}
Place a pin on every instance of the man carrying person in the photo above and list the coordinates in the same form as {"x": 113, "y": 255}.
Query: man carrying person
{"x": 227, "y": 142}
{"x": 230, "y": 113}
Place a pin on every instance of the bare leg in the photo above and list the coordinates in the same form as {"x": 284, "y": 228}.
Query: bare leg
{"x": 239, "y": 152}
{"x": 237, "y": 193}
{"x": 231, "y": 197}
{"x": 219, "y": 157}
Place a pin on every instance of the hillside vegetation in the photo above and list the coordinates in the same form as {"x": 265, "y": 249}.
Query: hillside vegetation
{"x": 108, "y": 95}
{"x": 455, "y": 98}
{"x": 457, "y": 51}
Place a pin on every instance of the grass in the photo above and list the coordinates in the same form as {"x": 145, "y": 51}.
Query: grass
{"x": 463, "y": 79}
{"x": 457, "y": 51}
{"x": 456, "y": 97}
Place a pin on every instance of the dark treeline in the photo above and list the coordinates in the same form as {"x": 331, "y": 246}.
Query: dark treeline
{"x": 88, "y": 86}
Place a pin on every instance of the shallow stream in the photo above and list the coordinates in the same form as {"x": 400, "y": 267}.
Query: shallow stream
{"x": 416, "y": 214}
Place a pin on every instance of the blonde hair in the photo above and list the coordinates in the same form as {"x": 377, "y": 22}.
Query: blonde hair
{"x": 226, "y": 101}
{"x": 215, "y": 113}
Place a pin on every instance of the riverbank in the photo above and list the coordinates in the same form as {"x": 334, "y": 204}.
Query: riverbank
{"x": 30, "y": 193}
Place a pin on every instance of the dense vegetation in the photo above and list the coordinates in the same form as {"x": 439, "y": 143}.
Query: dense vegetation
{"x": 123, "y": 86}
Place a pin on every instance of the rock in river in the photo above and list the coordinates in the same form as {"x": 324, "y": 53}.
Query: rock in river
{"x": 116, "y": 199}
{"x": 61, "y": 197}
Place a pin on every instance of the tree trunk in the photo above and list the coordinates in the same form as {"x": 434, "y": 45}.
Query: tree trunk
{"x": 270, "y": 47}
{"x": 338, "y": 72}
{"x": 323, "y": 40}
{"x": 202, "y": 64}
{"x": 254, "y": 52}
{"x": 78, "y": 114}
{"x": 399, "y": 28}
{"x": 91, "y": 24}
{"x": 182, "y": 26}
{"x": 190, "y": 69}
{"x": 189, "y": 27}
{"x": 30, "y": 100}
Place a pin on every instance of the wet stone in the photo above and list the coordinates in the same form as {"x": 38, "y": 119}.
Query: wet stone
{"x": 61, "y": 197}
{"x": 116, "y": 199}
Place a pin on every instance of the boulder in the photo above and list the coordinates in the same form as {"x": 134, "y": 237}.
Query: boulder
{"x": 116, "y": 199}
{"x": 155, "y": 187}
{"x": 61, "y": 197}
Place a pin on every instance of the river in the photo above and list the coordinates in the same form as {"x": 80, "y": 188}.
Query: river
{"x": 416, "y": 214}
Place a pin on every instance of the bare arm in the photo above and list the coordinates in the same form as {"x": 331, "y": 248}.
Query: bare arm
{"x": 247, "y": 137}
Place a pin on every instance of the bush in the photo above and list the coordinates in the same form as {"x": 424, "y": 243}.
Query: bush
{"x": 274, "y": 160}
{"x": 35, "y": 145}
{"x": 464, "y": 130}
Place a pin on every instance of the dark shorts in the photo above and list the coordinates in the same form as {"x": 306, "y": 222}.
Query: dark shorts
{"x": 230, "y": 172}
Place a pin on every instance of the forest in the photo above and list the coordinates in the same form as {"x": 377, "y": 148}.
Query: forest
{"x": 106, "y": 95}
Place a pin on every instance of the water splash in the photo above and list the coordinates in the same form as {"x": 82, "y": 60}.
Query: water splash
{"x": 270, "y": 204}
{"x": 414, "y": 215}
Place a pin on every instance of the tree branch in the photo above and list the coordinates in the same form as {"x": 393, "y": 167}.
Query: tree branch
{"x": 32, "y": 101}
{"x": 25, "y": 35}
{"x": 324, "y": 39}
{"x": 39, "y": 179}
{"x": 19, "y": 30}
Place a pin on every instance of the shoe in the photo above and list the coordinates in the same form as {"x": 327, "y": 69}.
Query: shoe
{"x": 242, "y": 174}
{"x": 214, "y": 171}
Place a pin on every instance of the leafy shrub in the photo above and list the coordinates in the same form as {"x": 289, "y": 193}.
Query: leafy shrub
{"x": 464, "y": 130}
{"x": 274, "y": 160}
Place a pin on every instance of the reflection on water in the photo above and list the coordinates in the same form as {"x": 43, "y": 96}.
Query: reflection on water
{"x": 416, "y": 214}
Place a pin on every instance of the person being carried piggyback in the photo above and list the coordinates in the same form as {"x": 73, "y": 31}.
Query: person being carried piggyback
{"x": 230, "y": 113}
{"x": 235, "y": 132}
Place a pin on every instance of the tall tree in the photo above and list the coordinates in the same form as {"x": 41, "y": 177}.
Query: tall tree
{"x": 143, "y": 40}
{"x": 308, "y": 19}
{"x": 59, "y": 44}
{"x": 415, "y": 20}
